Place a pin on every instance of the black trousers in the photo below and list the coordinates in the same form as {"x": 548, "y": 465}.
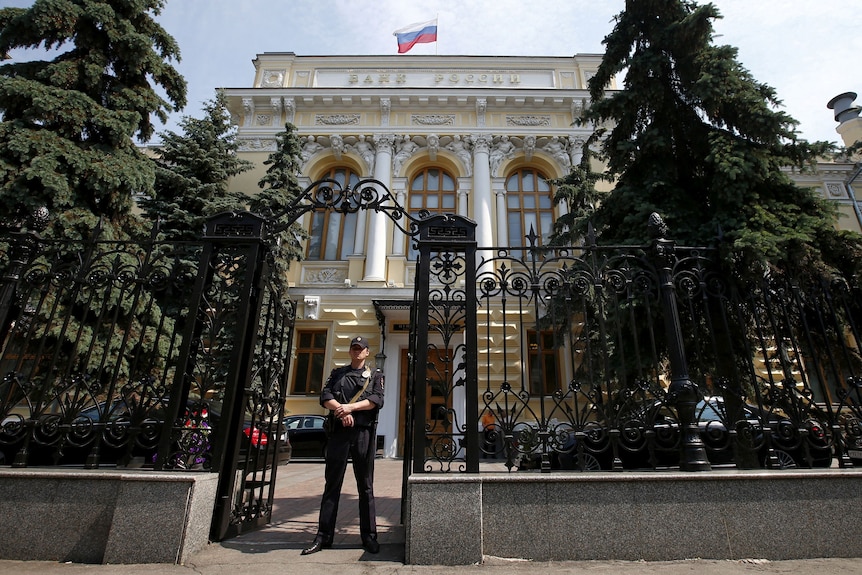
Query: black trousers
{"x": 358, "y": 443}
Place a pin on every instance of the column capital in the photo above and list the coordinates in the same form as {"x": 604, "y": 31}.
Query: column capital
{"x": 481, "y": 143}
{"x": 384, "y": 142}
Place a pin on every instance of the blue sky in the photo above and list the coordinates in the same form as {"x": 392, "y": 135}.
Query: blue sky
{"x": 807, "y": 50}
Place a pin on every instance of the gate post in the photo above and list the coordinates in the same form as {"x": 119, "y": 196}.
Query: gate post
{"x": 446, "y": 304}
{"x": 226, "y": 316}
{"x": 682, "y": 392}
{"x": 22, "y": 249}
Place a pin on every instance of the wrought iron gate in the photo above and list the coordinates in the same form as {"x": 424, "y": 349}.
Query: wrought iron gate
{"x": 443, "y": 346}
{"x": 238, "y": 350}
{"x": 156, "y": 354}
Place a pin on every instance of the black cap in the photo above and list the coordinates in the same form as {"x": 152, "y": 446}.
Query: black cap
{"x": 360, "y": 341}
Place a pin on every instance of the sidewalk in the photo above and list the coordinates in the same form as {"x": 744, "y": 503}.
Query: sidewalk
{"x": 275, "y": 549}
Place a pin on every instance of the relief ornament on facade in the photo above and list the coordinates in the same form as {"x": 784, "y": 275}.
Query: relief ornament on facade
{"x": 502, "y": 149}
{"x": 459, "y": 147}
{"x": 405, "y": 148}
{"x": 365, "y": 150}
{"x": 433, "y": 119}
{"x": 325, "y": 276}
{"x": 528, "y": 120}
{"x": 273, "y": 79}
{"x": 256, "y": 145}
{"x": 337, "y": 119}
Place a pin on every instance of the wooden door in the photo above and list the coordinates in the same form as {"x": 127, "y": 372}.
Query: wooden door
{"x": 439, "y": 401}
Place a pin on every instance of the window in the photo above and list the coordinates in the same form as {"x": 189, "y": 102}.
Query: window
{"x": 529, "y": 205}
{"x": 543, "y": 365}
{"x": 310, "y": 354}
{"x": 333, "y": 233}
{"x": 432, "y": 190}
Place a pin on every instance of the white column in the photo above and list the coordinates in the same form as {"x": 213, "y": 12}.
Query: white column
{"x": 483, "y": 210}
{"x": 399, "y": 190}
{"x": 359, "y": 234}
{"x": 562, "y": 209}
{"x": 502, "y": 214}
{"x": 464, "y": 187}
{"x": 375, "y": 261}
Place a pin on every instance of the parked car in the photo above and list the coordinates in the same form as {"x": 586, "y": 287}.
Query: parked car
{"x": 256, "y": 438}
{"x": 788, "y": 444}
{"x": 650, "y": 436}
{"x": 307, "y": 435}
{"x": 563, "y": 443}
{"x": 66, "y": 441}
{"x": 82, "y": 432}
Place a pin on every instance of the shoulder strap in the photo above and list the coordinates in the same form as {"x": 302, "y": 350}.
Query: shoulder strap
{"x": 361, "y": 391}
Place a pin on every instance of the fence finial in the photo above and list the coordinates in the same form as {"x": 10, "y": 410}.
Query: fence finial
{"x": 656, "y": 226}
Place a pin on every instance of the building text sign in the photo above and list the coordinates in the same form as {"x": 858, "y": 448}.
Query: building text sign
{"x": 434, "y": 78}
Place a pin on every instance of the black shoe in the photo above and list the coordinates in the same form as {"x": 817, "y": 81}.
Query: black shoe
{"x": 371, "y": 545}
{"x": 316, "y": 546}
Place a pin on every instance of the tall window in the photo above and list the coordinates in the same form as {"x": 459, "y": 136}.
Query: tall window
{"x": 333, "y": 233}
{"x": 529, "y": 202}
{"x": 310, "y": 354}
{"x": 543, "y": 364}
{"x": 432, "y": 190}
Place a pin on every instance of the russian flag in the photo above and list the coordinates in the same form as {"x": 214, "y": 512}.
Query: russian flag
{"x": 419, "y": 33}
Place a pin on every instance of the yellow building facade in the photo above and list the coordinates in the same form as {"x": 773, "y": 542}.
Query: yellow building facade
{"x": 478, "y": 136}
{"x": 444, "y": 134}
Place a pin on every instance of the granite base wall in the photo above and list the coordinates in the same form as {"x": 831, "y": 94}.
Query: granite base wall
{"x": 104, "y": 516}
{"x": 459, "y": 519}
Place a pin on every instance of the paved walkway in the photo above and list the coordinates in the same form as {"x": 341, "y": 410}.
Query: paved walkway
{"x": 297, "y": 502}
{"x": 274, "y": 550}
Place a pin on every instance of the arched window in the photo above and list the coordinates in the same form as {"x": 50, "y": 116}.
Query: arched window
{"x": 333, "y": 233}
{"x": 432, "y": 190}
{"x": 530, "y": 204}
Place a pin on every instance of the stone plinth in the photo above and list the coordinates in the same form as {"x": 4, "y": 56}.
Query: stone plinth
{"x": 105, "y": 515}
{"x": 658, "y": 516}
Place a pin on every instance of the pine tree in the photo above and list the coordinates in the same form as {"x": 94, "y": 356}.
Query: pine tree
{"x": 192, "y": 173}
{"x": 578, "y": 190}
{"x": 697, "y": 139}
{"x": 68, "y": 123}
{"x": 279, "y": 189}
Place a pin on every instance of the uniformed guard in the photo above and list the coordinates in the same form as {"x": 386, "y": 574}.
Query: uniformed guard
{"x": 353, "y": 394}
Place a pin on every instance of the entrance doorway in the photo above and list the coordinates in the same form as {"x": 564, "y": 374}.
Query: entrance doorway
{"x": 439, "y": 400}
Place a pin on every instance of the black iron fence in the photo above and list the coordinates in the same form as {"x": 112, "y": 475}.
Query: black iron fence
{"x": 585, "y": 357}
{"x": 169, "y": 356}
{"x": 651, "y": 357}
{"x": 172, "y": 356}
{"x": 91, "y": 336}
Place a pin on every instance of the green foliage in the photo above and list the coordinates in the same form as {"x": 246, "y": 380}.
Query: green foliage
{"x": 68, "y": 123}
{"x": 698, "y": 140}
{"x": 578, "y": 190}
{"x": 192, "y": 173}
{"x": 279, "y": 190}
{"x": 90, "y": 322}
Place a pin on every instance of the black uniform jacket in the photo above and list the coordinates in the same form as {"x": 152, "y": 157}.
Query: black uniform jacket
{"x": 344, "y": 382}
